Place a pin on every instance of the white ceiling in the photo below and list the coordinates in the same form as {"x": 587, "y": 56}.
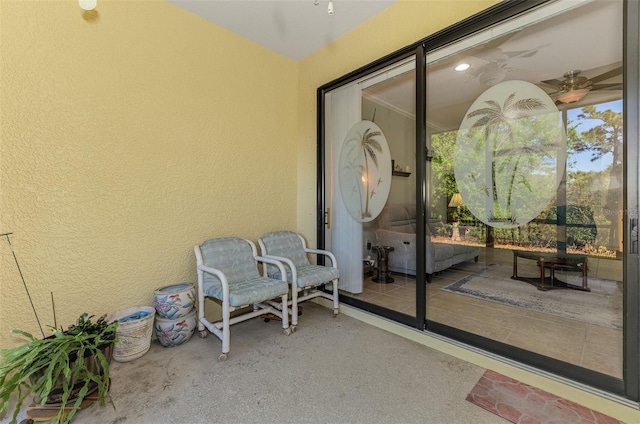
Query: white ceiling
{"x": 588, "y": 38}
{"x": 293, "y": 28}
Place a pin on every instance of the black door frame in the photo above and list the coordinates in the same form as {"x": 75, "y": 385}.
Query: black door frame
{"x": 631, "y": 111}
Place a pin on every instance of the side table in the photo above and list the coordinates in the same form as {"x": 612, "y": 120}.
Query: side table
{"x": 382, "y": 275}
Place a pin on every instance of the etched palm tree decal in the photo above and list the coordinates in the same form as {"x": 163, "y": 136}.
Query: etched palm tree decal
{"x": 498, "y": 123}
{"x": 355, "y": 169}
{"x": 365, "y": 171}
{"x": 507, "y": 153}
{"x": 369, "y": 147}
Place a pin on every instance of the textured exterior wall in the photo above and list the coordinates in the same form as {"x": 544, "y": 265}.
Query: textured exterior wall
{"x": 399, "y": 26}
{"x": 125, "y": 141}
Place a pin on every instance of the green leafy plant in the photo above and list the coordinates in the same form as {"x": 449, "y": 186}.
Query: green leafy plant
{"x": 68, "y": 365}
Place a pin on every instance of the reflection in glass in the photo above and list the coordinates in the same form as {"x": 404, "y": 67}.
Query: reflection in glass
{"x": 542, "y": 185}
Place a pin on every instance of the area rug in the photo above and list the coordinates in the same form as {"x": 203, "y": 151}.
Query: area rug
{"x": 520, "y": 403}
{"x": 601, "y": 306}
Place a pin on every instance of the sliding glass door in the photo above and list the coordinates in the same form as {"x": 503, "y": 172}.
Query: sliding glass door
{"x": 526, "y": 129}
{"x": 370, "y": 195}
{"x": 482, "y": 184}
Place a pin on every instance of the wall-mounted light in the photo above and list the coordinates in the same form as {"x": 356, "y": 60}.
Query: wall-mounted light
{"x": 88, "y": 4}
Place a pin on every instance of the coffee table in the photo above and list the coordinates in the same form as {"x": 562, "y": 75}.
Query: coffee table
{"x": 553, "y": 261}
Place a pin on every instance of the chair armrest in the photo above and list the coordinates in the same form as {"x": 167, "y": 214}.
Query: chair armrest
{"x": 273, "y": 261}
{"x": 330, "y": 255}
{"x": 289, "y": 263}
{"x": 220, "y": 275}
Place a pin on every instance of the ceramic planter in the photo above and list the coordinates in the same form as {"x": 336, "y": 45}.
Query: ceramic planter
{"x": 174, "y": 301}
{"x": 175, "y": 331}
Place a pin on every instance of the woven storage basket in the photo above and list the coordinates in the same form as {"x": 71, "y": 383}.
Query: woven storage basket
{"x": 134, "y": 336}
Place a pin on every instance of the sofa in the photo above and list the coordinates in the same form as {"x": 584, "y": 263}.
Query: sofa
{"x": 397, "y": 228}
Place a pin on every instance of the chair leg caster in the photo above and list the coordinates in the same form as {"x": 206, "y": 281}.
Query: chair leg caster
{"x": 293, "y": 328}
{"x": 287, "y": 331}
{"x": 223, "y": 357}
{"x": 203, "y": 334}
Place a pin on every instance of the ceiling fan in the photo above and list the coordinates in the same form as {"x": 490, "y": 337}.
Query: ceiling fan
{"x": 493, "y": 63}
{"x": 574, "y": 87}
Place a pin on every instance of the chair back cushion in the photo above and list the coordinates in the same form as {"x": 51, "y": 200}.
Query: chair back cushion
{"x": 233, "y": 256}
{"x": 286, "y": 244}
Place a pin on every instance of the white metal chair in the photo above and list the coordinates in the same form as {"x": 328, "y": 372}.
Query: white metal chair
{"x": 291, "y": 249}
{"x": 228, "y": 271}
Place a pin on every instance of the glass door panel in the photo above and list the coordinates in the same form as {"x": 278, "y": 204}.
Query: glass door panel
{"x": 371, "y": 188}
{"x": 525, "y": 185}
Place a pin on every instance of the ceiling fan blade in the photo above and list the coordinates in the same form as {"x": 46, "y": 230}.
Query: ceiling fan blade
{"x": 612, "y": 86}
{"x": 605, "y": 76}
{"x": 553, "y": 82}
{"x": 522, "y": 53}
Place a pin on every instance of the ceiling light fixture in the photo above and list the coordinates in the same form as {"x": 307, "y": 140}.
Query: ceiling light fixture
{"x": 330, "y": 7}
{"x": 88, "y": 4}
{"x": 462, "y": 67}
{"x": 574, "y": 87}
{"x": 573, "y": 95}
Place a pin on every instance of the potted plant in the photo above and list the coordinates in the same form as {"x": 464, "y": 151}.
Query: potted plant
{"x": 66, "y": 366}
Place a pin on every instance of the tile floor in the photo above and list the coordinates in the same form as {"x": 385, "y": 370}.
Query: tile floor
{"x": 587, "y": 345}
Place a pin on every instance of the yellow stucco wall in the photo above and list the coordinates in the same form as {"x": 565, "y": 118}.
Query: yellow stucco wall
{"x": 129, "y": 137}
{"x": 125, "y": 141}
{"x": 398, "y": 26}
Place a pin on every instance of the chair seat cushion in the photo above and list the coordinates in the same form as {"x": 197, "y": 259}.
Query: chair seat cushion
{"x": 311, "y": 275}
{"x": 248, "y": 292}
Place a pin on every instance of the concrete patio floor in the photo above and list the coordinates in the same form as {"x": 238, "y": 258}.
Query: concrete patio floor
{"x": 331, "y": 370}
